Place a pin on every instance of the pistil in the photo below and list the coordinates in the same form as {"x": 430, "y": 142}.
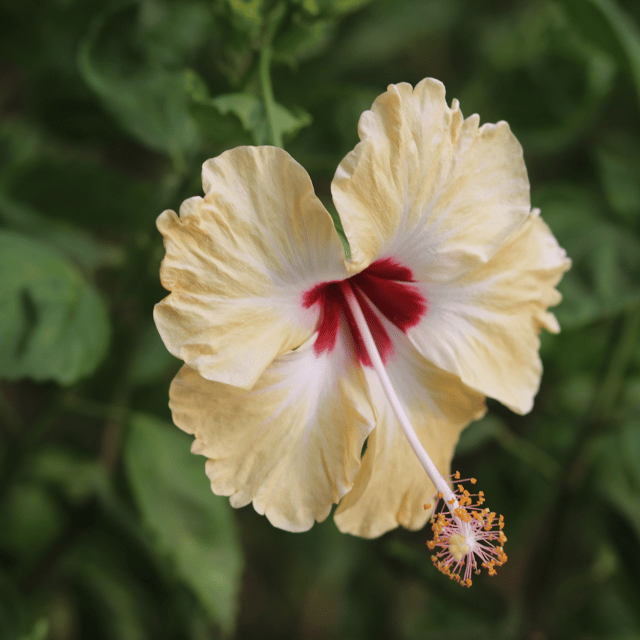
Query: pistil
{"x": 467, "y": 536}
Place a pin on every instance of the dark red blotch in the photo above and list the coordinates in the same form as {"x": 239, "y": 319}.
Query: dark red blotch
{"x": 385, "y": 284}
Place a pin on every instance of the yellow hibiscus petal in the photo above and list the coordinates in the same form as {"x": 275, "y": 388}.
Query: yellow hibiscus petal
{"x": 391, "y": 487}
{"x": 237, "y": 262}
{"x": 291, "y": 444}
{"x": 428, "y": 186}
{"x": 484, "y": 327}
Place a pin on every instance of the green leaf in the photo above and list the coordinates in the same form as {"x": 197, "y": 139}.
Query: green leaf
{"x": 303, "y": 39}
{"x": 478, "y": 433}
{"x": 606, "y": 257}
{"x": 493, "y": 428}
{"x": 577, "y": 115}
{"x": 627, "y": 33}
{"x": 249, "y": 12}
{"x": 82, "y": 193}
{"x": 173, "y": 32}
{"x": 223, "y": 127}
{"x": 147, "y": 99}
{"x": 571, "y": 77}
{"x": 54, "y": 325}
{"x": 101, "y": 577}
{"x": 31, "y": 521}
{"x": 14, "y": 614}
{"x": 150, "y": 360}
{"x": 354, "y": 100}
{"x": 238, "y": 118}
{"x": 619, "y": 163}
{"x": 75, "y": 242}
{"x": 75, "y": 477}
{"x": 346, "y": 6}
{"x": 193, "y": 528}
{"x": 331, "y": 7}
{"x": 586, "y": 20}
{"x": 40, "y": 631}
{"x": 618, "y": 457}
{"x": 390, "y": 29}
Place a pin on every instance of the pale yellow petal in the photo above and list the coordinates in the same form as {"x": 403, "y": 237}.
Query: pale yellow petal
{"x": 484, "y": 327}
{"x": 427, "y": 186}
{"x": 292, "y": 444}
{"x": 391, "y": 487}
{"x": 238, "y": 261}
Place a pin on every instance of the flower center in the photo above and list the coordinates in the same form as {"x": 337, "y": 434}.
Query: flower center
{"x": 386, "y": 285}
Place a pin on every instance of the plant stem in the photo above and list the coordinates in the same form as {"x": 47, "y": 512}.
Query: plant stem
{"x": 267, "y": 93}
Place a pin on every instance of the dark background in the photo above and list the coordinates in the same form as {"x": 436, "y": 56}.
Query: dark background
{"x": 108, "y": 529}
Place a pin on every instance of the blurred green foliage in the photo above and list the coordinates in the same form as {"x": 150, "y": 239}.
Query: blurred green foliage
{"x": 108, "y": 530}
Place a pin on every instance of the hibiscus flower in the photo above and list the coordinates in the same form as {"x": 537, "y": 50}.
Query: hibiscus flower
{"x": 311, "y": 378}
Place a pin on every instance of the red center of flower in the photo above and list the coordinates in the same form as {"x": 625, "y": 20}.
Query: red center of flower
{"x": 384, "y": 284}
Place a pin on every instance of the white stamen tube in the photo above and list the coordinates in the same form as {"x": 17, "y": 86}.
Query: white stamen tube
{"x": 378, "y": 366}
